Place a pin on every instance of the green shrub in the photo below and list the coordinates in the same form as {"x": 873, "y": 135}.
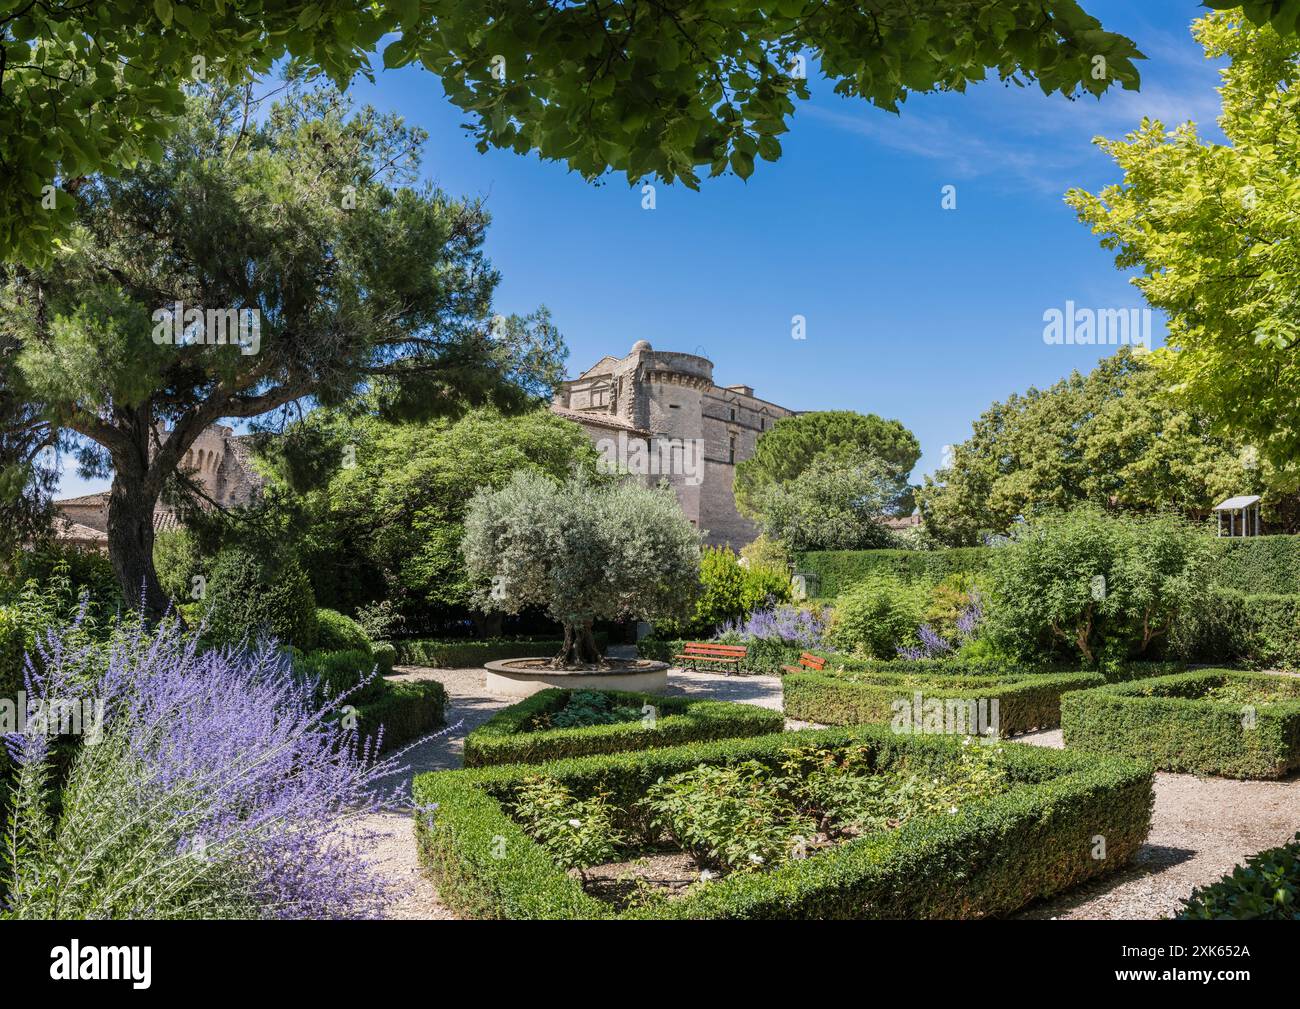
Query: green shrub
{"x": 177, "y": 559}
{"x": 385, "y": 654}
{"x": 1261, "y": 631}
{"x": 1176, "y": 723}
{"x": 505, "y": 737}
{"x": 340, "y": 671}
{"x": 879, "y": 615}
{"x": 1266, "y": 887}
{"x": 1024, "y": 701}
{"x": 576, "y": 833}
{"x": 12, "y": 650}
{"x": 992, "y": 857}
{"x": 459, "y": 653}
{"x": 337, "y": 633}
{"x": 1096, "y": 587}
{"x": 839, "y": 570}
{"x": 729, "y": 591}
{"x": 249, "y": 595}
{"x": 405, "y": 711}
{"x": 1258, "y": 565}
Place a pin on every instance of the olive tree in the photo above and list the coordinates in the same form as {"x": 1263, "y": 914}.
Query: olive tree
{"x": 583, "y": 551}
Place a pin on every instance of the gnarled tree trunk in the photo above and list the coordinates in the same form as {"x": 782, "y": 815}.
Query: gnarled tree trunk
{"x": 579, "y": 648}
{"x": 131, "y": 501}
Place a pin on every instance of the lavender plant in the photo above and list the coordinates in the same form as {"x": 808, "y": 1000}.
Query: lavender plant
{"x": 795, "y": 625}
{"x": 217, "y": 789}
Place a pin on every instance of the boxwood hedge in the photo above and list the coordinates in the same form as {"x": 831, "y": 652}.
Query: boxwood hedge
{"x": 1025, "y": 701}
{"x": 407, "y": 710}
{"x": 505, "y": 739}
{"x": 1170, "y": 722}
{"x": 995, "y": 855}
{"x": 460, "y": 653}
{"x": 839, "y": 570}
{"x": 1267, "y": 887}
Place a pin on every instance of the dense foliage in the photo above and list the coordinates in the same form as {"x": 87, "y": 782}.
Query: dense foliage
{"x": 836, "y": 503}
{"x": 661, "y": 90}
{"x": 584, "y": 550}
{"x": 729, "y": 590}
{"x": 1096, "y": 587}
{"x": 1179, "y": 724}
{"x": 344, "y": 275}
{"x": 792, "y": 444}
{"x": 1111, "y": 438}
{"x": 251, "y": 595}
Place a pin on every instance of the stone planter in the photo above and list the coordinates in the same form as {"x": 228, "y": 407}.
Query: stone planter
{"x": 524, "y": 677}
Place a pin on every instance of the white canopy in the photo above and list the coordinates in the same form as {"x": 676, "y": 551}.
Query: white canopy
{"x": 1236, "y": 503}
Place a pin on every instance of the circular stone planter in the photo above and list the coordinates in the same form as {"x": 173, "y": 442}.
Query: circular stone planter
{"x": 523, "y": 677}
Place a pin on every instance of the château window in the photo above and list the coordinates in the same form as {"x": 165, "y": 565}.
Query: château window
{"x": 731, "y": 448}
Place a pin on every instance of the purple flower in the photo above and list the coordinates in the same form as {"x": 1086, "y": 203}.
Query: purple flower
{"x": 216, "y": 759}
{"x": 792, "y": 624}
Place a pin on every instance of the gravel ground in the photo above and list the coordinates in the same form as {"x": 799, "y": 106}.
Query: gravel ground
{"x": 1202, "y": 826}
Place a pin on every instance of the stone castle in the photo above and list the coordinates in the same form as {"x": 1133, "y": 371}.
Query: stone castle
{"x": 218, "y": 461}
{"x": 663, "y": 408}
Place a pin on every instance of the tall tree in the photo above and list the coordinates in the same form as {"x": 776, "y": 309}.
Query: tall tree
{"x": 585, "y": 550}
{"x": 295, "y": 225}
{"x": 389, "y": 523}
{"x": 662, "y": 88}
{"x": 789, "y": 447}
{"x": 1111, "y": 437}
{"x": 1213, "y": 232}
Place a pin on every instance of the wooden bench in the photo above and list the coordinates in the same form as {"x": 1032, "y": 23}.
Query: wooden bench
{"x": 726, "y": 656}
{"x": 807, "y": 661}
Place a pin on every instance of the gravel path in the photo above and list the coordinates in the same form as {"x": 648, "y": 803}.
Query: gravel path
{"x": 1202, "y": 826}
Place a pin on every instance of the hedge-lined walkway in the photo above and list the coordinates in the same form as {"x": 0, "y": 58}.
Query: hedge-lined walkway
{"x": 1201, "y": 828}
{"x": 392, "y": 850}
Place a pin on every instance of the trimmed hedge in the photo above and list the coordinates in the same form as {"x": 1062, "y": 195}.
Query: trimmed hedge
{"x": 1263, "y": 565}
{"x": 1168, "y": 721}
{"x": 1026, "y": 701}
{"x": 992, "y": 857}
{"x": 338, "y": 633}
{"x": 1267, "y": 887}
{"x": 842, "y": 569}
{"x": 407, "y": 710}
{"x": 765, "y": 657}
{"x": 1262, "y": 631}
{"x": 459, "y": 653}
{"x": 504, "y": 739}
{"x": 340, "y": 671}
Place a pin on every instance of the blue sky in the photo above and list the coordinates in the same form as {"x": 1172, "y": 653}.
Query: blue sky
{"x": 913, "y": 311}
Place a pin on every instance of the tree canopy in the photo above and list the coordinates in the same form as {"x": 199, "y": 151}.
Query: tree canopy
{"x": 299, "y": 225}
{"x": 1110, "y": 437}
{"x": 585, "y": 550}
{"x": 388, "y": 523}
{"x": 789, "y": 447}
{"x": 837, "y": 503}
{"x": 665, "y": 89}
{"x": 1212, "y": 230}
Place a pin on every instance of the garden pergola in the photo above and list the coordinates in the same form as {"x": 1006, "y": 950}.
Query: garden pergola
{"x": 1243, "y": 505}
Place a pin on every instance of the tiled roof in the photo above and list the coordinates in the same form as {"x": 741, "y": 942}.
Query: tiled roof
{"x": 598, "y": 420}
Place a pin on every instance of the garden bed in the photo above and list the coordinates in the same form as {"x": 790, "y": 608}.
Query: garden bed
{"x": 1033, "y": 835}
{"x": 1215, "y": 721}
{"x": 549, "y": 725}
{"x": 1008, "y": 703}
